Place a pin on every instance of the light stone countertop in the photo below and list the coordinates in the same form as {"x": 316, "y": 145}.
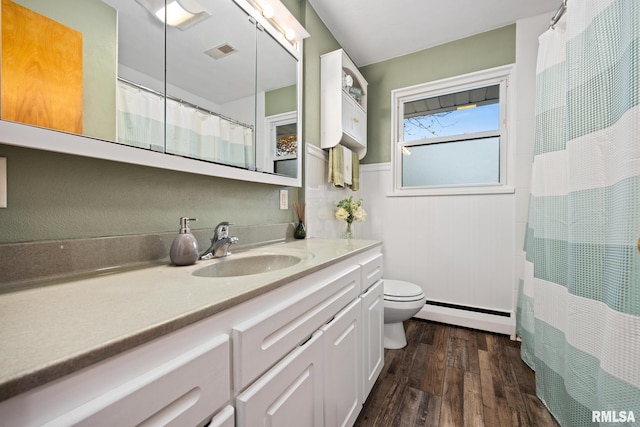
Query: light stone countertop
{"x": 50, "y": 331}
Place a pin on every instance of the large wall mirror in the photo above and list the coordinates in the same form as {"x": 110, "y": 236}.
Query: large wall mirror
{"x": 219, "y": 92}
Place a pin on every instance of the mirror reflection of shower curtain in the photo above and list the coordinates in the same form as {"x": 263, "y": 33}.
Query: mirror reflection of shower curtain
{"x": 190, "y": 132}
{"x": 140, "y": 118}
{"x": 579, "y": 302}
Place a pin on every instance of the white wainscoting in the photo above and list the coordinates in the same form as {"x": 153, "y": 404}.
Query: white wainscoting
{"x": 459, "y": 249}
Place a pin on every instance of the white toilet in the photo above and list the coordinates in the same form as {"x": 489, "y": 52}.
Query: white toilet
{"x": 401, "y": 301}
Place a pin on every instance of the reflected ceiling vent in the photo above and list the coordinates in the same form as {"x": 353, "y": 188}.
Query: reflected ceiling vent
{"x": 221, "y": 51}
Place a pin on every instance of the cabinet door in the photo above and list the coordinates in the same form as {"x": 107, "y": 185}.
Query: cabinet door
{"x": 354, "y": 119}
{"x": 372, "y": 333}
{"x": 289, "y": 394}
{"x": 224, "y": 419}
{"x": 343, "y": 367}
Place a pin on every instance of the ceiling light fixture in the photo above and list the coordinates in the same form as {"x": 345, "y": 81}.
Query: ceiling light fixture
{"x": 181, "y": 14}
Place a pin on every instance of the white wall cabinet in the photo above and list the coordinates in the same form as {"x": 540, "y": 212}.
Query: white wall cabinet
{"x": 303, "y": 354}
{"x": 343, "y": 103}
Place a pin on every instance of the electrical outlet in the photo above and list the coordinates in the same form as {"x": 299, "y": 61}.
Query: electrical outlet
{"x": 3, "y": 182}
{"x": 284, "y": 199}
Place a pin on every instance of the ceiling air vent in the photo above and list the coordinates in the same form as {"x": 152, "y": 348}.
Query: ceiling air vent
{"x": 221, "y": 51}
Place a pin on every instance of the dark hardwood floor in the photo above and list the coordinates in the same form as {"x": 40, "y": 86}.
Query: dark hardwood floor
{"x": 451, "y": 376}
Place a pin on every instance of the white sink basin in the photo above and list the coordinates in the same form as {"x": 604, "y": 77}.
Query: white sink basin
{"x": 245, "y": 266}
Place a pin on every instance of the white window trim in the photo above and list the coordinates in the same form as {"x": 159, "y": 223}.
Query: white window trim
{"x": 500, "y": 75}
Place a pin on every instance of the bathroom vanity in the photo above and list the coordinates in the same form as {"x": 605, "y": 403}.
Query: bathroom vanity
{"x": 300, "y": 345}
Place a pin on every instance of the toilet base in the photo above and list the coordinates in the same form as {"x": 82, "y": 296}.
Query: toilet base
{"x": 394, "y": 337}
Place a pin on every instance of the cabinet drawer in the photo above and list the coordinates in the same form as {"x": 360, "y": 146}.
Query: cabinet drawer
{"x": 185, "y": 390}
{"x": 372, "y": 270}
{"x": 262, "y": 340}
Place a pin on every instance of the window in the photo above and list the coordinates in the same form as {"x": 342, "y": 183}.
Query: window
{"x": 450, "y": 136}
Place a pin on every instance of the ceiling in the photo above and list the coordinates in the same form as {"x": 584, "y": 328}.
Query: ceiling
{"x": 375, "y": 30}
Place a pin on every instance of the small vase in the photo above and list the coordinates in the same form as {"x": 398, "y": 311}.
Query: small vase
{"x": 300, "y": 231}
{"x": 347, "y": 233}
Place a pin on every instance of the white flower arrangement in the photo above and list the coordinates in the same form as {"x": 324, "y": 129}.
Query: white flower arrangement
{"x": 350, "y": 210}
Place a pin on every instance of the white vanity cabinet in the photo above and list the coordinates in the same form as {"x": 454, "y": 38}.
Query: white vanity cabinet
{"x": 343, "y": 103}
{"x": 321, "y": 381}
{"x": 305, "y": 353}
{"x": 178, "y": 380}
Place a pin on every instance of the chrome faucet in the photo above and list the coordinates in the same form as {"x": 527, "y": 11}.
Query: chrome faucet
{"x": 220, "y": 242}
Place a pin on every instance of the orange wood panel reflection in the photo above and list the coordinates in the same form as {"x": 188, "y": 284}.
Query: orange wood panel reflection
{"x": 41, "y": 70}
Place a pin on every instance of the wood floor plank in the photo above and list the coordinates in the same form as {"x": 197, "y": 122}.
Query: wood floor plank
{"x": 419, "y": 367}
{"x": 472, "y": 401}
{"x": 451, "y": 412}
{"x": 538, "y": 412}
{"x": 489, "y": 402}
{"x": 434, "y": 377}
{"x": 457, "y": 356}
{"x": 450, "y": 376}
{"x": 472, "y": 353}
{"x": 525, "y": 376}
{"x": 414, "y": 409}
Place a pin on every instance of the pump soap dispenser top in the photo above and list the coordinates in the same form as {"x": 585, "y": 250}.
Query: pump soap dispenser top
{"x": 184, "y": 249}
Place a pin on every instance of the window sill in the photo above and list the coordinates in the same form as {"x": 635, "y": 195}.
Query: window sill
{"x": 452, "y": 191}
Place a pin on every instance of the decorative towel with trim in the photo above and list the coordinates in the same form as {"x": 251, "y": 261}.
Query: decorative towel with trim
{"x": 336, "y": 166}
{"x": 355, "y": 170}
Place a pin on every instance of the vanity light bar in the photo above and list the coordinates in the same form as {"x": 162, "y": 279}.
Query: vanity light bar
{"x": 276, "y": 15}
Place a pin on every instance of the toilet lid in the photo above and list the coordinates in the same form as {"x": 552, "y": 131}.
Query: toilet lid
{"x": 397, "y": 290}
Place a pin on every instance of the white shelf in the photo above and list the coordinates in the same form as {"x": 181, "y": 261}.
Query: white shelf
{"x": 343, "y": 117}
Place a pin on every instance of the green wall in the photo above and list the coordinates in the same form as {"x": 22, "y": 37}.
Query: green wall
{"x": 479, "y": 52}
{"x": 280, "y": 100}
{"x": 58, "y": 196}
{"x": 320, "y": 42}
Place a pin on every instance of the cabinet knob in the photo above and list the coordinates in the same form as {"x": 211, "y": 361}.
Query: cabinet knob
{"x": 357, "y": 120}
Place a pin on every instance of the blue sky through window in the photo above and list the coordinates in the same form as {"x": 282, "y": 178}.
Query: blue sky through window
{"x": 457, "y": 122}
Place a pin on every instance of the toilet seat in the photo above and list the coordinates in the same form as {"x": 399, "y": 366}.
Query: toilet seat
{"x": 397, "y": 290}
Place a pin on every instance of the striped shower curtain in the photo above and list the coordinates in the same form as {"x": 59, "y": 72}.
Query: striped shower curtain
{"x": 190, "y": 132}
{"x": 579, "y": 301}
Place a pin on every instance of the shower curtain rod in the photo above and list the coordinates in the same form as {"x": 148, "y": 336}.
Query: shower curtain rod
{"x": 181, "y": 101}
{"x": 556, "y": 17}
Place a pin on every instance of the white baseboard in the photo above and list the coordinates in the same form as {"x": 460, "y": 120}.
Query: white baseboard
{"x": 470, "y": 319}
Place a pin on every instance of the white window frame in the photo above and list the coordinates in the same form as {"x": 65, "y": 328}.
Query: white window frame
{"x": 500, "y": 75}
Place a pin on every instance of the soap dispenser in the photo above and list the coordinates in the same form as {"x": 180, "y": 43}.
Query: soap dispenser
{"x": 184, "y": 249}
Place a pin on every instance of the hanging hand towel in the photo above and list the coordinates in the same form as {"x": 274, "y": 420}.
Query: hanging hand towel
{"x": 355, "y": 170}
{"x": 336, "y": 166}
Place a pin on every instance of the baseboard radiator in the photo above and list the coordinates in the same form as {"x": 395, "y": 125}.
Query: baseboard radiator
{"x": 501, "y": 322}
